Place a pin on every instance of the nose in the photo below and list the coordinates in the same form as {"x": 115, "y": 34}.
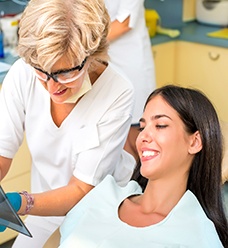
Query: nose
{"x": 145, "y": 136}
{"x": 52, "y": 85}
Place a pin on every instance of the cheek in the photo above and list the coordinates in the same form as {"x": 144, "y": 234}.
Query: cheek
{"x": 178, "y": 145}
{"x": 76, "y": 86}
{"x": 137, "y": 142}
{"x": 44, "y": 84}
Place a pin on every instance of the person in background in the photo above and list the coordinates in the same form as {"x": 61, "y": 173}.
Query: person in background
{"x": 75, "y": 108}
{"x": 177, "y": 202}
{"x": 130, "y": 53}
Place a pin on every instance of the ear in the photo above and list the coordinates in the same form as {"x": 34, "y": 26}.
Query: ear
{"x": 195, "y": 143}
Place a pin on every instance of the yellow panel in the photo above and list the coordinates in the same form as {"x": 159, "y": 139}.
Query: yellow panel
{"x": 21, "y": 162}
{"x": 189, "y": 10}
{"x": 204, "y": 67}
{"x": 164, "y": 59}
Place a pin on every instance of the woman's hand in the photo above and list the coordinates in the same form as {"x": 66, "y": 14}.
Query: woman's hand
{"x": 15, "y": 201}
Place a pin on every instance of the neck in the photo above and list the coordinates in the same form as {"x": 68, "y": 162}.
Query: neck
{"x": 161, "y": 196}
{"x": 99, "y": 69}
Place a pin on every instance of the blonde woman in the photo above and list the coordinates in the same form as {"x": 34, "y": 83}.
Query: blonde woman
{"x": 75, "y": 108}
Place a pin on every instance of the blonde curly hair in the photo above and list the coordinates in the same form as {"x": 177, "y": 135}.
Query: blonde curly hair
{"x": 73, "y": 28}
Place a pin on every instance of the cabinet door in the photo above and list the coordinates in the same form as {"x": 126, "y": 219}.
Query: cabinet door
{"x": 20, "y": 166}
{"x": 204, "y": 67}
{"x": 164, "y": 59}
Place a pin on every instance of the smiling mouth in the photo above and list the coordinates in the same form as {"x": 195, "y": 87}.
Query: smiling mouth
{"x": 149, "y": 153}
{"x": 60, "y": 92}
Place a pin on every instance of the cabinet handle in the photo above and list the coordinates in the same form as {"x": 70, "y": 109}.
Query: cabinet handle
{"x": 214, "y": 56}
{"x": 154, "y": 54}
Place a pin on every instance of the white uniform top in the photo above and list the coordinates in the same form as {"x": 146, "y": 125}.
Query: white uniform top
{"x": 131, "y": 53}
{"x": 89, "y": 142}
{"x": 94, "y": 222}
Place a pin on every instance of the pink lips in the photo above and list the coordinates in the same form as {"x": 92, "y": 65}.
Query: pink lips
{"x": 60, "y": 92}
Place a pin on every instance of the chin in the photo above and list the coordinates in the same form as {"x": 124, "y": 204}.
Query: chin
{"x": 58, "y": 101}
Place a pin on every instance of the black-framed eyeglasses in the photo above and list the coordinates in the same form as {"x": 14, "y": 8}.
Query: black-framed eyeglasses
{"x": 61, "y": 76}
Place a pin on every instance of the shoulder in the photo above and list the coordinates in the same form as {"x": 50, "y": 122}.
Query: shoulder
{"x": 116, "y": 79}
{"x": 190, "y": 213}
{"x": 20, "y": 81}
{"x": 114, "y": 90}
{"x": 21, "y": 65}
{"x": 188, "y": 205}
{"x": 19, "y": 73}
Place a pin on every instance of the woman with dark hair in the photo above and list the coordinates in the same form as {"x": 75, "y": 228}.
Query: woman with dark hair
{"x": 204, "y": 180}
{"x": 180, "y": 148}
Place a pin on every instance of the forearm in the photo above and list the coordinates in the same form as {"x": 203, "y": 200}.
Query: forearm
{"x": 4, "y": 166}
{"x": 118, "y": 29}
{"x": 56, "y": 202}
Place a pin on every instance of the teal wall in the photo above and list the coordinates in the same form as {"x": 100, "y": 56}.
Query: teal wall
{"x": 9, "y": 7}
{"x": 170, "y": 12}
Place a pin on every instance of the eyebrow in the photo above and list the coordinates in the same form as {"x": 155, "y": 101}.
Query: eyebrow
{"x": 78, "y": 67}
{"x": 155, "y": 117}
{"x": 66, "y": 70}
{"x": 55, "y": 72}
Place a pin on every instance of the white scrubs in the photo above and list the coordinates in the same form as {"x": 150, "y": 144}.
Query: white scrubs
{"x": 131, "y": 53}
{"x": 88, "y": 144}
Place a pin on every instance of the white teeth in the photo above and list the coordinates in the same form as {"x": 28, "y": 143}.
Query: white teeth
{"x": 59, "y": 91}
{"x": 148, "y": 153}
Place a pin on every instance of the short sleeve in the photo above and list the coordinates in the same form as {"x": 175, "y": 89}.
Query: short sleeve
{"x": 130, "y": 8}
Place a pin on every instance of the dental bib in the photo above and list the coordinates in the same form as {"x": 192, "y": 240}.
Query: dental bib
{"x": 86, "y": 86}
